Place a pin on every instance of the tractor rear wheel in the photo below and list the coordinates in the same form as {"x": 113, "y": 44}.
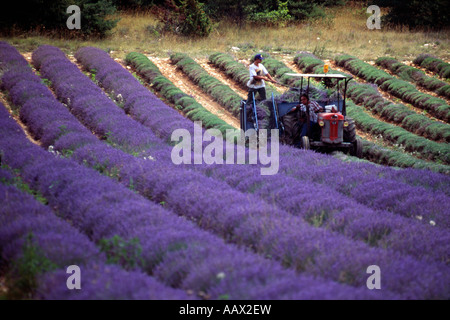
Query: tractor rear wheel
{"x": 305, "y": 143}
{"x": 356, "y": 150}
{"x": 350, "y": 131}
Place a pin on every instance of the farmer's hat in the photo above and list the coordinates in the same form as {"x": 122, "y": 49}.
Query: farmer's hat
{"x": 258, "y": 56}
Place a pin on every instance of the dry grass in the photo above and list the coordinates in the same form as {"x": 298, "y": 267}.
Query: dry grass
{"x": 346, "y": 32}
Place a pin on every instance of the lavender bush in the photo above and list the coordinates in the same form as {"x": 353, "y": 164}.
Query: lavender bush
{"x": 247, "y": 232}
{"x": 173, "y": 248}
{"x": 60, "y": 245}
{"x": 349, "y": 176}
{"x": 231, "y": 223}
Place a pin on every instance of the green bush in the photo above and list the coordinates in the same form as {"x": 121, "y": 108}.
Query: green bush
{"x": 303, "y": 10}
{"x": 417, "y": 13}
{"x": 196, "y": 23}
{"x": 399, "y": 88}
{"x": 414, "y": 75}
{"x": 269, "y": 12}
{"x": 187, "y": 18}
{"x": 97, "y": 16}
{"x": 433, "y": 64}
{"x": 278, "y": 17}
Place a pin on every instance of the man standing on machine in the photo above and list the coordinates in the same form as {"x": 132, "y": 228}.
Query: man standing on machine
{"x": 256, "y": 84}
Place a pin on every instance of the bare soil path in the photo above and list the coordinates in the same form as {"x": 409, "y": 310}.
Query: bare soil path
{"x": 421, "y": 89}
{"x": 4, "y": 101}
{"x": 183, "y": 82}
{"x": 427, "y": 72}
{"x": 219, "y": 75}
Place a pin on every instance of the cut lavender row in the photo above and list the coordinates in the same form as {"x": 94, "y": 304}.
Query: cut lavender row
{"x": 25, "y": 223}
{"x": 182, "y": 186}
{"x": 422, "y": 204}
{"x": 173, "y": 249}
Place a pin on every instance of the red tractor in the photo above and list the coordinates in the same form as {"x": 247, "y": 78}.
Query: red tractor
{"x": 334, "y": 131}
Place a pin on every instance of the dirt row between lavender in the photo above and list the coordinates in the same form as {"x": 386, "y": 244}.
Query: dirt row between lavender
{"x": 16, "y": 117}
{"x": 386, "y": 95}
{"x": 421, "y": 89}
{"x": 186, "y": 85}
{"x": 219, "y": 75}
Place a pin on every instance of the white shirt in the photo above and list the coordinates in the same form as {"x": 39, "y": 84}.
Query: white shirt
{"x": 259, "y": 70}
{"x": 314, "y": 107}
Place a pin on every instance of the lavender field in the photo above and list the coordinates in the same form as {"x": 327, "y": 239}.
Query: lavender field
{"x": 87, "y": 180}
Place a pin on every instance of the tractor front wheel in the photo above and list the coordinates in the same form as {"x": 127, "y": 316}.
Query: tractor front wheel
{"x": 350, "y": 131}
{"x": 356, "y": 150}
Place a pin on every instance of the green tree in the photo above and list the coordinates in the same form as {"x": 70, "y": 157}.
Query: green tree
{"x": 186, "y": 17}
{"x": 432, "y": 14}
{"x": 196, "y": 22}
{"x": 96, "y": 16}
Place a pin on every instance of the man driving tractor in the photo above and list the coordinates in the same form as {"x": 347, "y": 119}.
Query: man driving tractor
{"x": 314, "y": 109}
{"x": 295, "y": 123}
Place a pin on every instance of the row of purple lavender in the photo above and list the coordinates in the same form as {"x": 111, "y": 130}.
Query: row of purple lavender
{"x": 377, "y": 230}
{"x": 174, "y": 250}
{"x": 359, "y": 181}
{"x": 26, "y": 224}
{"x": 171, "y": 201}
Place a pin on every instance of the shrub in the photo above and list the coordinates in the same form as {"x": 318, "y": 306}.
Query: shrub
{"x": 414, "y": 75}
{"x": 96, "y": 16}
{"x": 417, "y": 13}
{"x": 278, "y": 17}
{"x": 433, "y": 64}
{"x": 188, "y": 18}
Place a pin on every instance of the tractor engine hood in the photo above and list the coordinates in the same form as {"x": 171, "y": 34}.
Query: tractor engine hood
{"x": 332, "y": 125}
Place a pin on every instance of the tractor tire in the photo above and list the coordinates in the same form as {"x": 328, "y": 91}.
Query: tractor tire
{"x": 291, "y": 126}
{"x": 356, "y": 150}
{"x": 305, "y": 143}
{"x": 350, "y": 131}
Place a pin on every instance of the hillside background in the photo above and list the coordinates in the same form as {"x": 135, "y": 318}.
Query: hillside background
{"x": 324, "y": 27}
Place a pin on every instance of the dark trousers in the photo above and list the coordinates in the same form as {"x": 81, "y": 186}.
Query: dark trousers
{"x": 261, "y": 92}
{"x": 261, "y": 95}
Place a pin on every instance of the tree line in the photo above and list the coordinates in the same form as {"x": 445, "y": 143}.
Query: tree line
{"x": 194, "y": 17}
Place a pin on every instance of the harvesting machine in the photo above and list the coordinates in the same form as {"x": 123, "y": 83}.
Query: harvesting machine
{"x": 334, "y": 130}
